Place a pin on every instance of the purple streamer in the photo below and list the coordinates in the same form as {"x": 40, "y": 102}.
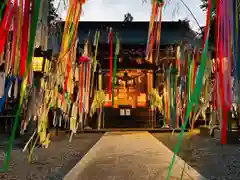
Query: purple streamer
{"x": 233, "y": 25}
{"x": 225, "y": 48}
{"x": 229, "y": 83}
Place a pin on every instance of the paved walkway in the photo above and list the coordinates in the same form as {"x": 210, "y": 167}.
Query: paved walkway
{"x": 129, "y": 156}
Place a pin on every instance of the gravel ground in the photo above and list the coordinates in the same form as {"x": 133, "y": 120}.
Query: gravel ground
{"x": 52, "y": 163}
{"x": 206, "y": 155}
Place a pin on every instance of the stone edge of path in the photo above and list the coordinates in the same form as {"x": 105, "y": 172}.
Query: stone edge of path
{"x": 79, "y": 167}
{"x": 183, "y": 164}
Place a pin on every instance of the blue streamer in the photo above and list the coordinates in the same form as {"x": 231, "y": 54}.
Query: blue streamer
{"x": 7, "y": 87}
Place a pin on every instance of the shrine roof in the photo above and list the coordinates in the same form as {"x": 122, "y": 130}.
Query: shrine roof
{"x": 136, "y": 32}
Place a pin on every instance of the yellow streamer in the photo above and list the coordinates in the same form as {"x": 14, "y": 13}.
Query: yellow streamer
{"x": 66, "y": 30}
{"x": 18, "y": 44}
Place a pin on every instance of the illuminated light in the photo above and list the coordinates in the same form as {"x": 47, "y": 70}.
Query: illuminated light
{"x": 37, "y": 64}
{"x": 108, "y": 104}
{"x": 115, "y": 98}
{"x": 130, "y": 98}
{"x": 141, "y": 104}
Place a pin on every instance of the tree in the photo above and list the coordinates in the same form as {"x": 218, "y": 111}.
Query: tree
{"x": 53, "y": 15}
{"x": 212, "y": 36}
{"x": 128, "y": 17}
{"x": 204, "y": 5}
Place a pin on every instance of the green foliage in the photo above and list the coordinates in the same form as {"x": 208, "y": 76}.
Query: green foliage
{"x": 212, "y": 31}
{"x": 204, "y": 5}
{"x": 128, "y": 17}
{"x": 53, "y": 15}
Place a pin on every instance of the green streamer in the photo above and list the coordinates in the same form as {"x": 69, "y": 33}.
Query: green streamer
{"x": 193, "y": 99}
{"x": 189, "y": 77}
{"x": 94, "y": 63}
{"x": 29, "y": 60}
{"x": 71, "y": 33}
{"x": 1, "y": 11}
{"x": 115, "y": 67}
{"x": 67, "y": 98}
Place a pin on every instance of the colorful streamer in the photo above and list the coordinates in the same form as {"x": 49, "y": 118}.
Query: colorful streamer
{"x": 110, "y": 63}
{"x": 115, "y": 67}
{"x": 24, "y": 39}
{"x": 18, "y": 43}
{"x": 197, "y": 89}
{"x": 5, "y": 24}
{"x": 96, "y": 41}
{"x": 29, "y": 60}
{"x": 15, "y": 35}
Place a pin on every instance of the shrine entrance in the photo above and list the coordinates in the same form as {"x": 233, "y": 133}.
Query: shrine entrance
{"x": 131, "y": 89}
{"x": 130, "y": 107}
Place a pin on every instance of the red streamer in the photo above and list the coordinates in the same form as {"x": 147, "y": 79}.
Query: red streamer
{"x": 24, "y": 47}
{"x": 185, "y": 87}
{"x": 110, "y": 64}
{"x": 221, "y": 76}
{"x": 217, "y": 32}
{"x": 14, "y": 45}
{"x": 84, "y": 59}
{"x": 81, "y": 72}
{"x": 224, "y": 108}
{"x": 77, "y": 16}
{"x": 68, "y": 72}
{"x": 5, "y": 25}
{"x": 154, "y": 32}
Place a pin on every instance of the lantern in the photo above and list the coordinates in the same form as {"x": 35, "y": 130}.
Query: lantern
{"x": 37, "y": 64}
{"x": 41, "y": 62}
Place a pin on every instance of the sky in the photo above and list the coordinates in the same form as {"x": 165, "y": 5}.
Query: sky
{"x": 114, "y": 10}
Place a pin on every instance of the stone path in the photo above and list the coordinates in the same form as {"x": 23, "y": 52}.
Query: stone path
{"x": 129, "y": 156}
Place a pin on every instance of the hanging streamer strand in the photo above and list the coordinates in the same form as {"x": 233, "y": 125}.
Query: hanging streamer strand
{"x": 115, "y": 68}
{"x": 196, "y": 92}
{"x": 29, "y": 60}
{"x": 24, "y": 46}
{"x": 110, "y": 64}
